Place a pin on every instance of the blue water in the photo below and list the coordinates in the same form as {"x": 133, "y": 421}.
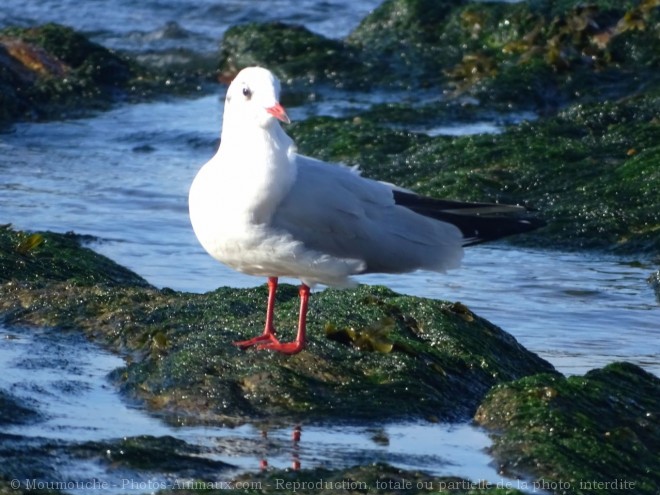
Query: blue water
{"x": 123, "y": 177}
{"x": 141, "y": 26}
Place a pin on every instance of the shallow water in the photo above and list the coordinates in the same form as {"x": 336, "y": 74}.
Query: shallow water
{"x": 175, "y": 24}
{"x": 64, "y": 377}
{"x": 123, "y": 177}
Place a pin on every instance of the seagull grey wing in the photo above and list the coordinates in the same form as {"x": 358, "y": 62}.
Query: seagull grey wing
{"x": 333, "y": 210}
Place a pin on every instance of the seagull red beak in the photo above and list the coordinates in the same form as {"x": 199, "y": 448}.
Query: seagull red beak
{"x": 278, "y": 112}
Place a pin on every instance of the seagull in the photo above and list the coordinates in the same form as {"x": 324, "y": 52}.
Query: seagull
{"x": 262, "y": 209}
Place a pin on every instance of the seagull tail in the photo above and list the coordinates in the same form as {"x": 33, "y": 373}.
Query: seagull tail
{"x": 479, "y": 222}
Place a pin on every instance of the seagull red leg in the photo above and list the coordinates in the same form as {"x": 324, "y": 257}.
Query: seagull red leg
{"x": 269, "y": 330}
{"x": 297, "y": 345}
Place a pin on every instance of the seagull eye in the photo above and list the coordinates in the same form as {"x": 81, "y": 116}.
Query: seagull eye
{"x": 247, "y": 93}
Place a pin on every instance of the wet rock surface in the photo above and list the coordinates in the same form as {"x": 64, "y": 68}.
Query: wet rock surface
{"x": 525, "y": 55}
{"x": 537, "y": 55}
{"x": 373, "y": 355}
{"x": 48, "y": 257}
{"x": 52, "y": 71}
{"x": 597, "y": 433}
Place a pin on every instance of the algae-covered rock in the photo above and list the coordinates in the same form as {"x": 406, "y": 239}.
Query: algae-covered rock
{"x": 294, "y": 53}
{"x": 538, "y": 55}
{"x": 51, "y": 71}
{"x": 372, "y": 353}
{"x": 544, "y": 54}
{"x": 408, "y": 37}
{"x": 592, "y": 434}
{"x": 52, "y": 68}
{"x": 592, "y": 171}
{"x": 27, "y": 458}
{"x": 441, "y": 358}
{"x": 47, "y": 256}
{"x": 165, "y": 455}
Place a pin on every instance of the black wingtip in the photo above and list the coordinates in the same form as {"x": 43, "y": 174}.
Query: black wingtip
{"x": 479, "y": 222}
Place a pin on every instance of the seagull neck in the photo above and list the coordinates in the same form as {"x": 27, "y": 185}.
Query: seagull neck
{"x": 268, "y": 144}
{"x": 260, "y": 163}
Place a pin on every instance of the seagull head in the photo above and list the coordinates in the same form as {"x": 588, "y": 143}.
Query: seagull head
{"x": 253, "y": 98}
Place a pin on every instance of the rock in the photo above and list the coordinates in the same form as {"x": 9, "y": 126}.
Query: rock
{"x": 526, "y": 55}
{"x": 162, "y": 455}
{"x": 295, "y": 54}
{"x": 409, "y": 38}
{"x": 51, "y": 71}
{"x": 27, "y": 458}
{"x": 597, "y": 433}
{"x": 47, "y": 257}
{"x": 373, "y": 354}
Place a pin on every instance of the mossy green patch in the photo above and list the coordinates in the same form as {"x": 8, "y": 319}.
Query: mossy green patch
{"x": 584, "y": 431}
{"x": 408, "y": 37}
{"x": 167, "y": 455}
{"x": 51, "y": 71}
{"x": 56, "y": 68}
{"x": 100, "y": 65}
{"x": 294, "y": 53}
{"x": 47, "y": 256}
{"x": 531, "y": 54}
{"x": 525, "y": 54}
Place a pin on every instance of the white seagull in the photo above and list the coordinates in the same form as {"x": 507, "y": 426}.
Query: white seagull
{"x": 262, "y": 209}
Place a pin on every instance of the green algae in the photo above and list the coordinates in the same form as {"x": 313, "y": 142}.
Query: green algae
{"x": 153, "y": 454}
{"x": 294, "y": 53}
{"x": 51, "y": 71}
{"x": 407, "y": 36}
{"x": 47, "y": 256}
{"x": 352, "y": 141}
{"x": 100, "y": 65}
{"x": 526, "y": 55}
{"x": 581, "y": 431}
{"x": 443, "y": 361}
